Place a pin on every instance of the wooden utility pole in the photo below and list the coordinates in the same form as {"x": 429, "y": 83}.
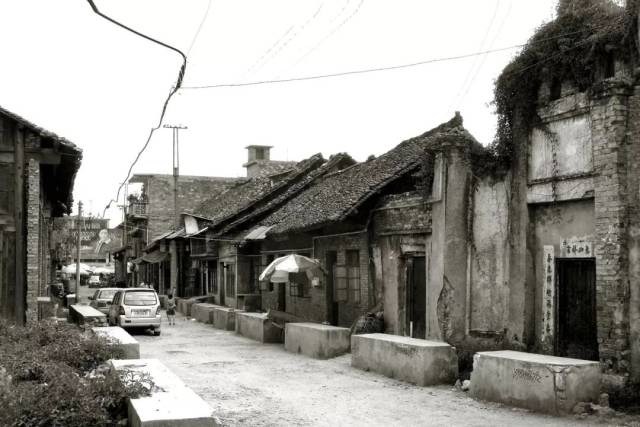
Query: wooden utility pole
{"x": 176, "y": 172}
{"x": 78, "y": 250}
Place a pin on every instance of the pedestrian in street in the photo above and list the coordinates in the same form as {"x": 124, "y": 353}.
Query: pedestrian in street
{"x": 171, "y": 309}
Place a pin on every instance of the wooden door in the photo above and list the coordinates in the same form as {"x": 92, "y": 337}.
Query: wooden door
{"x": 576, "y": 331}
{"x": 417, "y": 297}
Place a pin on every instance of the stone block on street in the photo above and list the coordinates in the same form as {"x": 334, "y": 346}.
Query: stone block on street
{"x": 316, "y": 340}
{"x": 534, "y": 381}
{"x": 121, "y": 338}
{"x": 225, "y": 318}
{"x": 257, "y": 326}
{"x": 203, "y": 312}
{"x": 413, "y": 360}
{"x": 87, "y": 315}
{"x": 171, "y": 402}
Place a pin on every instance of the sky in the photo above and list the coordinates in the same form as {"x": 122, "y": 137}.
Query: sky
{"x": 78, "y": 75}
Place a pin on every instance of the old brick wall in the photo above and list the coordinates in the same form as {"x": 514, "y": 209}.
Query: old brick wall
{"x": 33, "y": 239}
{"x": 609, "y": 112}
{"x": 192, "y": 191}
{"x": 633, "y": 186}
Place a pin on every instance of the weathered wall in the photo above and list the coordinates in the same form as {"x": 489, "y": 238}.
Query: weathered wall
{"x": 400, "y": 224}
{"x": 488, "y": 280}
{"x": 554, "y": 228}
{"x": 633, "y": 168}
{"x": 192, "y": 191}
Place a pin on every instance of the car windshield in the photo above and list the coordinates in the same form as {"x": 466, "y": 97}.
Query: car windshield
{"x": 140, "y": 298}
{"x": 107, "y": 294}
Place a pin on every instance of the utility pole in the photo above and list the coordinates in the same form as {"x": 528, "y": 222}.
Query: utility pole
{"x": 78, "y": 250}
{"x": 176, "y": 172}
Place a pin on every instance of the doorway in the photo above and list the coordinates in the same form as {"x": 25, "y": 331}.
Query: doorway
{"x": 416, "y": 297}
{"x": 332, "y": 305}
{"x": 576, "y": 331}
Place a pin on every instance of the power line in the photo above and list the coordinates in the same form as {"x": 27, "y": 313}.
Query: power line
{"x": 481, "y": 46}
{"x": 335, "y": 30}
{"x": 195, "y": 37}
{"x": 172, "y": 92}
{"x": 372, "y": 70}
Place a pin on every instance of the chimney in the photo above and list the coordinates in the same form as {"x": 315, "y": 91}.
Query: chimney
{"x": 257, "y": 156}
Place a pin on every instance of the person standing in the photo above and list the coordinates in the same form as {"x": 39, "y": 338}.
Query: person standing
{"x": 171, "y": 309}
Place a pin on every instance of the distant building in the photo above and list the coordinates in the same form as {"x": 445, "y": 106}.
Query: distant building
{"x": 37, "y": 172}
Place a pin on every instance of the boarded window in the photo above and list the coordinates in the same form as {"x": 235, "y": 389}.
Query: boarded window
{"x": 563, "y": 149}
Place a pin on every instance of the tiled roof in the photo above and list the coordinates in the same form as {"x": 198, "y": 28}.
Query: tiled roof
{"x": 236, "y": 200}
{"x": 39, "y": 130}
{"x": 339, "y": 194}
{"x": 273, "y": 201}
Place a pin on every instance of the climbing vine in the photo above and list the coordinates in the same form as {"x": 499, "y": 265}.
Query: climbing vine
{"x": 570, "y": 48}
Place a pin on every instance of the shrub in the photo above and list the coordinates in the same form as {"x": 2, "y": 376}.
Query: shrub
{"x": 52, "y": 377}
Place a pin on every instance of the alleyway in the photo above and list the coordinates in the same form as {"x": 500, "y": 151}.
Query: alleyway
{"x": 252, "y": 384}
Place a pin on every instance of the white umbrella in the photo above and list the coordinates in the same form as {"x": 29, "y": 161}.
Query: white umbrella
{"x": 104, "y": 270}
{"x": 278, "y": 271}
{"x": 71, "y": 269}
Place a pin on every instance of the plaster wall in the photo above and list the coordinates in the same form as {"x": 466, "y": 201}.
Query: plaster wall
{"x": 489, "y": 284}
{"x": 554, "y": 227}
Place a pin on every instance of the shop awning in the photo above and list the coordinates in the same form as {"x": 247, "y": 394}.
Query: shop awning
{"x": 152, "y": 257}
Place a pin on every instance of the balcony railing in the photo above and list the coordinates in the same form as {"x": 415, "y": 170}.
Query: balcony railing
{"x": 137, "y": 209}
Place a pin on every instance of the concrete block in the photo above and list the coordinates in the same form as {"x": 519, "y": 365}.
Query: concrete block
{"x": 171, "y": 403}
{"x": 257, "y": 327}
{"x": 224, "y": 318}
{"x": 534, "y": 381}
{"x": 87, "y": 315}
{"x": 316, "y": 340}
{"x": 121, "y": 338}
{"x": 203, "y": 312}
{"x": 407, "y": 359}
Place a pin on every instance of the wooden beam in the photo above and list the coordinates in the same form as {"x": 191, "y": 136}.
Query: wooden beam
{"x": 46, "y": 156}
{"x": 21, "y": 256}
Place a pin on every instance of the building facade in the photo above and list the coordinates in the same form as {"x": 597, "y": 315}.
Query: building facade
{"x": 37, "y": 171}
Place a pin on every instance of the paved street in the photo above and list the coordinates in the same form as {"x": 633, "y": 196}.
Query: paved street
{"x": 248, "y": 383}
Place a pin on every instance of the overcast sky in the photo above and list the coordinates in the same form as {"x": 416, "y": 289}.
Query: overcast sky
{"x": 70, "y": 71}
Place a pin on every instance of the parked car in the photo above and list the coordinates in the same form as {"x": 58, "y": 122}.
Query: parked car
{"x": 135, "y": 308}
{"x": 94, "y": 281}
{"x": 101, "y": 299}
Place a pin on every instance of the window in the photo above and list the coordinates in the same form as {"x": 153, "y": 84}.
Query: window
{"x": 212, "y": 284}
{"x": 230, "y": 280}
{"x": 140, "y": 298}
{"x": 347, "y": 279}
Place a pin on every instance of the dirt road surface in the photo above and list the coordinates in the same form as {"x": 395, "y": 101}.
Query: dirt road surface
{"x": 252, "y": 384}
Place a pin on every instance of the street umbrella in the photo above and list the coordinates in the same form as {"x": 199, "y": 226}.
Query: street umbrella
{"x": 85, "y": 270}
{"x": 278, "y": 271}
{"x": 104, "y": 270}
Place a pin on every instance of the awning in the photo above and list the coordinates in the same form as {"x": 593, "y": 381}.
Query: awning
{"x": 152, "y": 258}
{"x": 258, "y": 233}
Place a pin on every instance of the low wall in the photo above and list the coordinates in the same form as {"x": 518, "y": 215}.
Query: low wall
{"x": 417, "y": 361}
{"x": 224, "y": 318}
{"x": 257, "y": 327}
{"x": 121, "y": 338}
{"x": 171, "y": 403}
{"x": 203, "y": 312}
{"x": 534, "y": 381}
{"x": 316, "y": 340}
{"x": 86, "y": 315}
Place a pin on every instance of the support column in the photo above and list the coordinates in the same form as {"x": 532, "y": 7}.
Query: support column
{"x": 20, "y": 254}
{"x": 33, "y": 240}
{"x": 609, "y": 115}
